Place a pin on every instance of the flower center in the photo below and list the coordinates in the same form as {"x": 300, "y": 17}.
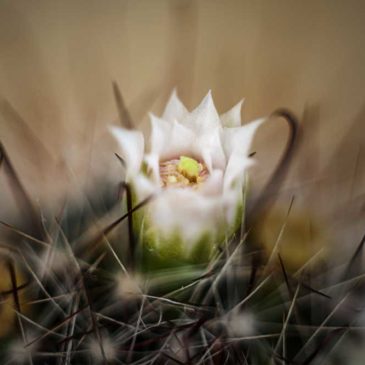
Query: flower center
{"x": 183, "y": 172}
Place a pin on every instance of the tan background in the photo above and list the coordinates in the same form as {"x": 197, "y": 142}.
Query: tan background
{"x": 58, "y": 58}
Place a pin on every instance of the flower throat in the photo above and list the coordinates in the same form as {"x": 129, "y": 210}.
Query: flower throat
{"x": 183, "y": 172}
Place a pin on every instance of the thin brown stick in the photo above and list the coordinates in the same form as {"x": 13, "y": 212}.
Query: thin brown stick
{"x": 266, "y": 198}
{"x": 25, "y": 203}
{"x": 124, "y": 116}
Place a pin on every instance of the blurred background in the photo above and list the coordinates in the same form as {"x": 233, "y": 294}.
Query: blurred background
{"x": 58, "y": 60}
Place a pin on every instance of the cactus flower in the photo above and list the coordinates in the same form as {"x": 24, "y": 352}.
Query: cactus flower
{"x": 195, "y": 164}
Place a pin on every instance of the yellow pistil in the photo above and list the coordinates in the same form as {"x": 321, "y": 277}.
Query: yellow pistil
{"x": 189, "y": 168}
{"x": 183, "y": 172}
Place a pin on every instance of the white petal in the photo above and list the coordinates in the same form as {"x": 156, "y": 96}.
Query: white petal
{"x": 214, "y": 184}
{"x": 205, "y": 122}
{"x": 131, "y": 144}
{"x": 233, "y": 199}
{"x": 187, "y": 212}
{"x": 210, "y": 148}
{"x": 236, "y": 167}
{"x": 204, "y": 118}
{"x": 171, "y": 140}
{"x": 174, "y": 109}
{"x": 232, "y": 118}
{"x": 152, "y": 160}
{"x": 181, "y": 141}
{"x": 239, "y": 139}
{"x": 205, "y": 155}
{"x": 144, "y": 187}
{"x": 160, "y": 130}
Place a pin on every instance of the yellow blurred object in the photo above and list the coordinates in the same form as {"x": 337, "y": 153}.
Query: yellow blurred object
{"x": 7, "y": 302}
{"x": 297, "y": 237}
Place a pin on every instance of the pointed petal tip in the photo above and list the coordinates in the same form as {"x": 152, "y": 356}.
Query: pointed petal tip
{"x": 174, "y": 93}
{"x": 151, "y": 115}
{"x": 112, "y": 128}
{"x": 257, "y": 122}
{"x": 155, "y": 119}
{"x": 209, "y": 96}
{"x": 116, "y": 131}
{"x": 232, "y": 117}
{"x": 174, "y": 108}
{"x": 207, "y": 103}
